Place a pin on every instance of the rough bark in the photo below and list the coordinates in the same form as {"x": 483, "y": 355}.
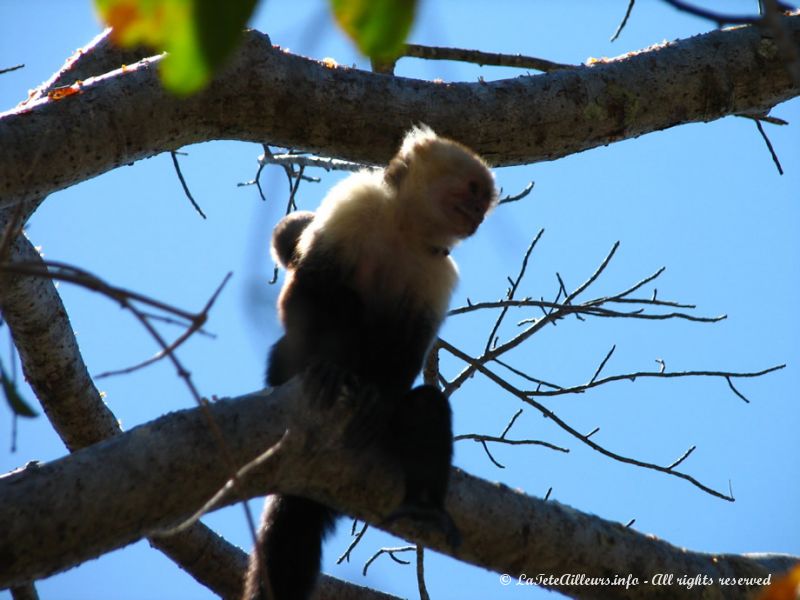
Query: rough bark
{"x": 267, "y": 95}
{"x": 113, "y": 493}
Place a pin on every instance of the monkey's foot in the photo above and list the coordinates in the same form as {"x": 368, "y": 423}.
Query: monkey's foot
{"x": 428, "y": 516}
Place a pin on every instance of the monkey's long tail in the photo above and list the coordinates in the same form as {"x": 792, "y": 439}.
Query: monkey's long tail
{"x": 290, "y": 538}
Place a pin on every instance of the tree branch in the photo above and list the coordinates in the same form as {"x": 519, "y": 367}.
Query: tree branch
{"x": 43, "y": 500}
{"x": 266, "y": 95}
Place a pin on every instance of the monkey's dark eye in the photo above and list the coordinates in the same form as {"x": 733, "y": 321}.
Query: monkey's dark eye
{"x": 473, "y": 187}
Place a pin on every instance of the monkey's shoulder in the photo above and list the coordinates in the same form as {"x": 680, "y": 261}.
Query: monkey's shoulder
{"x": 356, "y": 231}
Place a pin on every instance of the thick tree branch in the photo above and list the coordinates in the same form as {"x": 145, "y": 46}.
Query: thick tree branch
{"x": 267, "y": 95}
{"x": 109, "y": 495}
{"x": 51, "y": 359}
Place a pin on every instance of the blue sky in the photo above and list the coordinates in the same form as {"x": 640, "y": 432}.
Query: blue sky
{"x": 704, "y": 200}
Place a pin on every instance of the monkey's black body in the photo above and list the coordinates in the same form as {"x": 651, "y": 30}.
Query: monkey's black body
{"x": 383, "y": 345}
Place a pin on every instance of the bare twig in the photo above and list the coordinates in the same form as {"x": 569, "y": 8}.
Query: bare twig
{"x": 291, "y": 204}
{"x": 769, "y": 146}
{"x": 513, "y": 289}
{"x": 423, "y": 590}
{"x": 683, "y": 457}
{"x": 551, "y": 317}
{"x": 590, "y": 308}
{"x": 483, "y": 58}
{"x": 720, "y": 18}
{"x": 256, "y": 181}
{"x": 765, "y": 118}
{"x": 298, "y": 160}
{"x": 624, "y": 22}
{"x": 537, "y": 381}
{"x": 9, "y": 69}
{"x": 502, "y": 440}
{"x": 356, "y": 539}
{"x": 184, "y": 184}
{"x": 525, "y": 397}
{"x": 391, "y": 552}
{"x": 194, "y": 327}
{"x": 728, "y": 375}
{"x": 177, "y": 323}
{"x": 603, "y": 364}
{"x": 735, "y": 391}
{"x": 528, "y": 189}
{"x": 511, "y": 423}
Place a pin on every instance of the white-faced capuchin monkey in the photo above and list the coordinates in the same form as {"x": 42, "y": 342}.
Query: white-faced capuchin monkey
{"x": 369, "y": 278}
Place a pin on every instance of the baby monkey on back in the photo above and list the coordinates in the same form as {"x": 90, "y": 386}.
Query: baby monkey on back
{"x": 369, "y": 279}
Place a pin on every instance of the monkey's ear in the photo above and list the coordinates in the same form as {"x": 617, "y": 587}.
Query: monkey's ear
{"x": 395, "y": 172}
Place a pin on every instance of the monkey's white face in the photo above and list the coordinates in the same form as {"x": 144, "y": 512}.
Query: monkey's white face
{"x": 462, "y": 201}
{"x": 469, "y": 203}
{"x": 445, "y": 189}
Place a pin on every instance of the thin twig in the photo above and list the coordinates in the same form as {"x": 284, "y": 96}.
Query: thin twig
{"x": 177, "y": 323}
{"x": 292, "y": 205}
{"x": 356, "y": 539}
{"x": 720, "y": 18}
{"x": 659, "y": 374}
{"x": 297, "y": 160}
{"x": 735, "y": 391}
{"x": 194, "y": 327}
{"x": 572, "y": 431}
{"x": 256, "y": 181}
{"x": 537, "y": 381}
{"x": 483, "y": 58}
{"x": 624, "y": 22}
{"x": 423, "y": 590}
{"x": 528, "y": 332}
{"x": 184, "y": 184}
{"x": 511, "y": 423}
{"x": 772, "y": 152}
{"x": 9, "y": 69}
{"x": 391, "y": 552}
{"x": 513, "y": 289}
{"x": 683, "y": 457}
{"x": 496, "y": 462}
{"x": 502, "y": 440}
{"x": 602, "y": 364}
{"x": 528, "y": 189}
{"x": 764, "y": 117}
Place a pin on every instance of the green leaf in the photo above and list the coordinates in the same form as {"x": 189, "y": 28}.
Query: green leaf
{"x": 378, "y": 27}
{"x": 15, "y": 401}
{"x": 198, "y": 35}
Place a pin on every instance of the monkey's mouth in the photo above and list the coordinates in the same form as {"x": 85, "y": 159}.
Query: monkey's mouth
{"x": 469, "y": 216}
